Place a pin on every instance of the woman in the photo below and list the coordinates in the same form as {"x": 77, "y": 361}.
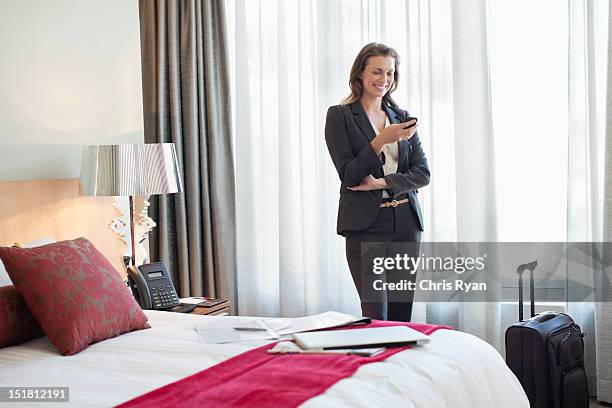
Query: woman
{"x": 378, "y": 155}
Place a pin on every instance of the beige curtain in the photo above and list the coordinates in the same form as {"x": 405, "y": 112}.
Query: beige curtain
{"x": 187, "y": 101}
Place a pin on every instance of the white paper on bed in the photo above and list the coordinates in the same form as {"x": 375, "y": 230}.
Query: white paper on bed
{"x": 227, "y": 330}
{"x": 319, "y": 321}
{"x": 220, "y": 331}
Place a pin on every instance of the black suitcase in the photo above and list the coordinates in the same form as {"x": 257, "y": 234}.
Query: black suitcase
{"x": 546, "y": 353}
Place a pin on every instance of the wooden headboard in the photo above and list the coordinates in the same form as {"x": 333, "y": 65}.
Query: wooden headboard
{"x": 30, "y": 210}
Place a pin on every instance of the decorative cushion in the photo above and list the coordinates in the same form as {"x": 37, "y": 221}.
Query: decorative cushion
{"x": 4, "y": 278}
{"x": 16, "y": 322}
{"x": 74, "y": 292}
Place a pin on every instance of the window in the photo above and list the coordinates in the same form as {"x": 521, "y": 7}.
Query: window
{"x": 529, "y": 75}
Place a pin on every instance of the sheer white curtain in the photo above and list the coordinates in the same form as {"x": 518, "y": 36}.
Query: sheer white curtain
{"x": 290, "y": 61}
{"x": 287, "y": 67}
{"x": 453, "y": 87}
{"x": 589, "y": 174}
{"x": 603, "y": 310}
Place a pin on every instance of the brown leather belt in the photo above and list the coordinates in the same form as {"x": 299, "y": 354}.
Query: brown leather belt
{"x": 394, "y": 203}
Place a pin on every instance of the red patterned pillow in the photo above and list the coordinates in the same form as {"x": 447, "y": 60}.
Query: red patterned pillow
{"x": 16, "y": 322}
{"x": 74, "y": 292}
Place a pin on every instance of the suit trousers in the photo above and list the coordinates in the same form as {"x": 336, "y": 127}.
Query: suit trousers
{"x": 393, "y": 225}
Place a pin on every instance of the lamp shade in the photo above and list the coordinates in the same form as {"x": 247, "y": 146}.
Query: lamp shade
{"x": 130, "y": 170}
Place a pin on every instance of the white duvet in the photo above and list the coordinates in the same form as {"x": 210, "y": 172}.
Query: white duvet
{"x": 454, "y": 370}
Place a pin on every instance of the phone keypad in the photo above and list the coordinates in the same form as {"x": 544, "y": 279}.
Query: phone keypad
{"x": 164, "y": 299}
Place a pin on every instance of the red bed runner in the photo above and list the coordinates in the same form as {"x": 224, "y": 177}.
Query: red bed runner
{"x": 258, "y": 379}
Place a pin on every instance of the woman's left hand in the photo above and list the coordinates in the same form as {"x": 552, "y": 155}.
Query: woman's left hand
{"x": 370, "y": 183}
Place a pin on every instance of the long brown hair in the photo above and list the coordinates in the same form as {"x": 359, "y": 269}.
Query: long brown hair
{"x": 371, "y": 50}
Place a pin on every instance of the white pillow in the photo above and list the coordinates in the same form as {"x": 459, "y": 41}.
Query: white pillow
{"x": 4, "y": 278}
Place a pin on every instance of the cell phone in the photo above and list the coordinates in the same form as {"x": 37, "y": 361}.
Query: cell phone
{"x": 408, "y": 119}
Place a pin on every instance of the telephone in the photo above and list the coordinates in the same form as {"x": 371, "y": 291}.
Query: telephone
{"x": 152, "y": 286}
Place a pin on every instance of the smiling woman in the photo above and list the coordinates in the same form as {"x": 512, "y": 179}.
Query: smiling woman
{"x": 378, "y": 156}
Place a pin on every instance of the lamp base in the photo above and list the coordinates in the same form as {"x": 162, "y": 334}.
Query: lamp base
{"x": 120, "y": 225}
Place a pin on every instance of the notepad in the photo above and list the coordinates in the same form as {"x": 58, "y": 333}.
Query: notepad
{"x": 393, "y": 336}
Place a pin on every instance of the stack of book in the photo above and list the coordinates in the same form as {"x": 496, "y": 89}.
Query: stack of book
{"x": 209, "y": 306}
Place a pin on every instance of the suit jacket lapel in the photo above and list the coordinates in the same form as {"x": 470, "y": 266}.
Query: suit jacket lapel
{"x": 361, "y": 118}
{"x": 394, "y": 118}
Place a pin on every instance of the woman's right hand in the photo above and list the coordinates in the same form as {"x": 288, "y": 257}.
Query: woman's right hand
{"x": 393, "y": 134}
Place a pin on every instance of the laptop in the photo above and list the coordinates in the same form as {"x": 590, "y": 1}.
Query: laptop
{"x": 392, "y": 336}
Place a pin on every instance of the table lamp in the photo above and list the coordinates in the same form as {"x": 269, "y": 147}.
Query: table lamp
{"x": 130, "y": 170}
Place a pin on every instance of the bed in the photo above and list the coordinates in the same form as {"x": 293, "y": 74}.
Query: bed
{"x": 454, "y": 370}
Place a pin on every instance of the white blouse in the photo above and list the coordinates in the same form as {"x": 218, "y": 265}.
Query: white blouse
{"x": 391, "y": 152}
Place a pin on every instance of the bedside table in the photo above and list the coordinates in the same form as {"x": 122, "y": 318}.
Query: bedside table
{"x": 222, "y": 309}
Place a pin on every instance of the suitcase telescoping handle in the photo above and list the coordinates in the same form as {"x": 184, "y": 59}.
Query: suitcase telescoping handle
{"x": 531, "y": 267}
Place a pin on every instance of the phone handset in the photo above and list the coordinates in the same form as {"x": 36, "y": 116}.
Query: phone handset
{"x": 139, "y": 287}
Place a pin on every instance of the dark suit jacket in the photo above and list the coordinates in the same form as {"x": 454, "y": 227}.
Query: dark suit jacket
{"x": 348, "y": 134}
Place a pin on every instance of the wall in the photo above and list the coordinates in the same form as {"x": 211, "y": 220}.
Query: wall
{"x": 31, "y": 210}
{"x": 70, "y": 75}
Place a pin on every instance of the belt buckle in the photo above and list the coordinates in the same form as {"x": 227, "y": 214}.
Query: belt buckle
{"x": 394, "y": 203}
